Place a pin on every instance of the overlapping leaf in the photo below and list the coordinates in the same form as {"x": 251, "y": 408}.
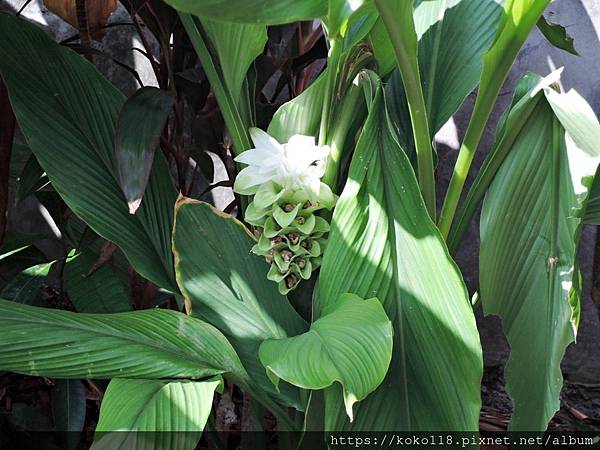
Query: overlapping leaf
{"x": 94, "y": 290}
{"x": 383, "y": 244}
{"x": 226, "y": 285}
{"x": 351, "y": 344}
{"x": 529, "y": 234}
{"x": 453, "y": 36}
{"x": 141, "y": 344}
{"x": 68, "y": 112}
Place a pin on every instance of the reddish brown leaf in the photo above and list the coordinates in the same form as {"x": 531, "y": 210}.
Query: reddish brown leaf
{"x": 97, "y": 13}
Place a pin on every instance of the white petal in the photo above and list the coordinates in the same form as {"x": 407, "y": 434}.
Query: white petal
{"x": 262, "y": 140}
{"x": 301, "y": 140}
{"x": 248, "y": 180}
{"x": 256, "y": 156}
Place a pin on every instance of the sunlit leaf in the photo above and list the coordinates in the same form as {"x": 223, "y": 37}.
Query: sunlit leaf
{"x": 530, "y": 227}
{"x": 351, "y": 344}
{"x": 383, "y": 244}
{"x": 141, "y": 344}
{"x": 269, "y": 12}
{"x": 157, "y": 414}
{"x": 227, "y": 286}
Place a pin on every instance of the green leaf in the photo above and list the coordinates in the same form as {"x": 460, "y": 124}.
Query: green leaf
{"x": 529, "y": 235}
{"x": 351, "y": 344}
{"x": 383, "y": 244}
{"x": 592, "y": 211}
{"x": 267, "y": 12}
{"x": 18, "y": 253}
{"x": 509, "y": 127}
{"x": 398, "y": 19}
{"x": 25, "y": 286}
{"x": 301, "y": 115}
{"x": 519, "y": 18}
{"x": 68, "y": 112}
{"x": 557, "y": 35}
{"x": 141, "y": 344}
{"x": 68, "y": 411}
{"x": 236, "y": 46}
{"x": 453, "y": 36}
{"x": 226, "y": 285}
{"x": 342, "y": 13}
{"x": 140, "y": 124}
{"x": 161, "y": 415}
{"x": 98, "y": 291}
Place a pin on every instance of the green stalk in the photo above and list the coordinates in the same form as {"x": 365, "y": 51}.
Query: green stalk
{"x": 481, "y": 113}
{"x": 352, "y": 106}
{"x": 519, "y": 18}
{"x": 230, "y": 111}
{"x": 400, "y": 27}
{"x": 333, "y": 58}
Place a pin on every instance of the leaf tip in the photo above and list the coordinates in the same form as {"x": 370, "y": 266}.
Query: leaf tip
{"x": 134, "y": 205}
{"x": 349, "y": 401}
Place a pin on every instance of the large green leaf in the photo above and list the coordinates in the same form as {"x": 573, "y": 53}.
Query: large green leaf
{"x": 351, "y": 343}
{"x": 160, "y": 415}
{"x": 136, "y": 140}
{"x": 269, "y": 12}
{"x": 226, "y": 285}
{"x": 141, "y": 344}
{"x": 529, "y": 234}
{"x": 68, "y": 113}
{"x": 383, "y": 244}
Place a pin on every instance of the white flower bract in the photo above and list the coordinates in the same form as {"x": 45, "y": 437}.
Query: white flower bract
{"x": 295, "y": 165}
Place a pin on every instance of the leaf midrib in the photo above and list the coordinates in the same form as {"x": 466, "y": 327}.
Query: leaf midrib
{"x": 180, "y": 355}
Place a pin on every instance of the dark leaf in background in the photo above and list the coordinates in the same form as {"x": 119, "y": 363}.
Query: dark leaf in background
{"x": 98, "y": 291}
{"x": 68, "y": 411}
{"x": 557, "y": 35}
{"x": 25, "y": 286}
{"x": 16, "y": 254}
{"x": 7, "y": 131}
{"x": 139, "y": 127}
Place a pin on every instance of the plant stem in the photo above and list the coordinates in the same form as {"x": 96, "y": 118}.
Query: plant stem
{"x": 409, "y": 70}
{"x": 352, "y": 106}
{"x": 335, "y": 51}
{"x": 481, "y": 113}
